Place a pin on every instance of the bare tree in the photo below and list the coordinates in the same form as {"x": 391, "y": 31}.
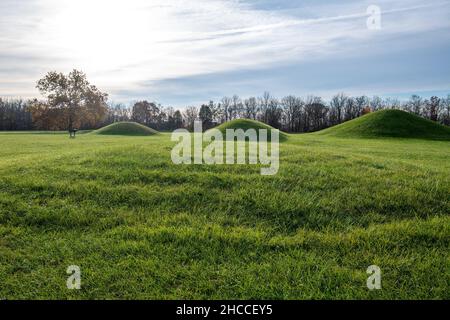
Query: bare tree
{"x": 226, "y": 104}
{"x": 292, "y": 107}
{"x": 315, "y": 114}
{"x": 350, "y": 109}
{"x": 206, "y": 116}
{"x": 415, "y": 104}
{"x": 251, "y": 108}
{"x": 15, "y": 115}
{"x": 190, "y": 115}
{"x": 446, "y": 106}
{"x": 376, "y": 103}
{"x": 274, "y": 113}
{"x": 361, "y": 103}
{"x": 433, "y": 108}
{"x": 236, "y": 109}
{"x": 338, "y": 104}
{"x": 392, "y": 103}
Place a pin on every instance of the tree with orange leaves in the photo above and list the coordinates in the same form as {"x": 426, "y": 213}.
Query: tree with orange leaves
{"x": 71, "y": 102}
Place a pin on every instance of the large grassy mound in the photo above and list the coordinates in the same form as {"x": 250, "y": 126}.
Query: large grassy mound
{"x": 126, "y": 129}
{"x": 246, "y": 124}
{"x": 390, "y": 123}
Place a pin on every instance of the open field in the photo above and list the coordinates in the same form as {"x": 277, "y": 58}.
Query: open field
{"x": 142, "y": 227}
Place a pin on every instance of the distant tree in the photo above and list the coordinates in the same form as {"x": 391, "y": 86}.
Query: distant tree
{"x": 167, "y": 120}
{"x": 292, "y": 108}
{"x": 15, "y": 115}
{"x": 338, "y": 103}
{"x": 216, "y": 111}
{"x": 350, "y": 109}
{"x": 140, "y": 112}
{"x": 251, "y": 108}
{"x": 415, "y": 104}
{"x": 274, "y": 113}
{"x": 361, "y": 103}
{"x": 316, "y": 114}
{"x": 291, "y": 113}
{"x": 446, "y": 106}
{"x": 235, "y": 109}
{"x": 147, "y": 113}
{"x": 366, "y": 110}
{"x": 264, "y": 104}
{"x": 206, "y": 116}
{"x": 116, "y": 112}
{"x": 226, "y": 105}
{"x": 190, "y": 115}
{"x": 392, "y": 103}
{"x": 71, "y": 100}
{"x": 177, "y": 120}
{"x": 376, "y": 103}
{"x": 433, "y": 108}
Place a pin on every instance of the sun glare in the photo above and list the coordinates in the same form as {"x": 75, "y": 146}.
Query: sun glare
{"x": 104, "y": 35}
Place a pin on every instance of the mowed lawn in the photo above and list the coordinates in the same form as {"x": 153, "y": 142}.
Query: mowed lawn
{"x": 141, "y": 227}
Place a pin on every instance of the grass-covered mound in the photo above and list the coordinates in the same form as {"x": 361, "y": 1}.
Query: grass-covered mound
{"x": 246, "y": 124}
{"x": 390, "y": 123}
{"x": 126, "y": 129}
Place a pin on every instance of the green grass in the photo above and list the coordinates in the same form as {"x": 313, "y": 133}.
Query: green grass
{"x": 246, "y": 124}
{"x": 390, "y": 123}
{"x": 126, "y": 129}
{"x": 142, "y": 227}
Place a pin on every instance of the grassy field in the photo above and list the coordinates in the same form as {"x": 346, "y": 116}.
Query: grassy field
{"x": 142, "y": 227}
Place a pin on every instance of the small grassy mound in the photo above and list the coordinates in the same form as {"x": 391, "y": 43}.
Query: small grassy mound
{"x": 246, "y": 124}
{"x": 390, "y": 123}
{"x": 126, "y": 129}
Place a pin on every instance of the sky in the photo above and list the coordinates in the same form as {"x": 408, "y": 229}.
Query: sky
{"x": 187, "y": 52}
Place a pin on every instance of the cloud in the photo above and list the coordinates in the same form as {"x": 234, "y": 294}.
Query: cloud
{"x": 132, "y": 48}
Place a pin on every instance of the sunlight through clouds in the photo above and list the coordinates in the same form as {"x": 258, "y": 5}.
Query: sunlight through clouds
{"x": 135, "y": 44}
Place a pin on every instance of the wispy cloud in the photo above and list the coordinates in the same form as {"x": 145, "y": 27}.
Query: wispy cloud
{"x": 133, "y": 48}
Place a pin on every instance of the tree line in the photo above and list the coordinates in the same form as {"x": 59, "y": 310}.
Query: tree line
{"x": 73, "y": 103}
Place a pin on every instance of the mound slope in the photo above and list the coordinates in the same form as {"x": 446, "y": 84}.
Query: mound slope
{"x": 390, "y": 123}
{"x": 126, "y": 129}
{"x": 246, "y": 124}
